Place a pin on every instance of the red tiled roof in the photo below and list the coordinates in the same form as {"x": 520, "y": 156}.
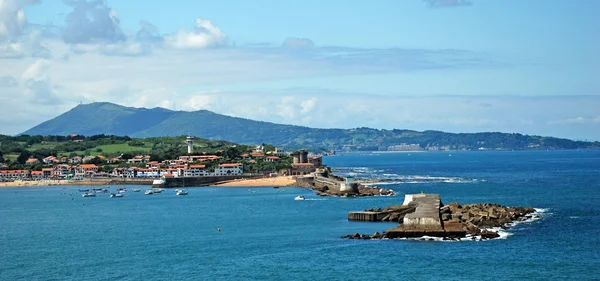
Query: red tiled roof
{"x": 197, "y": 166}
{"x": 231, "y": 165}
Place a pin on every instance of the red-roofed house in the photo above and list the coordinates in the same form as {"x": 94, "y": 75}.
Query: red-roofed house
{"x": 14, "y": 174}
{"x": 61, "y": 171}
{"x": 50, "y": 160}
{"x": 36, "y": 175}
{"x": 32, "y": 161}
{"x": 47, "y": 172}
{"x": 229, "y": 169}
{"x": 153, "y": 165}
{"x": 75, "y": 160}
{"x": 271, "y": 159}
{"x": 86, "y": 170}
{"x": 195, "y": 171}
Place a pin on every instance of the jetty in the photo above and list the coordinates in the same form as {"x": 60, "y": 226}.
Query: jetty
{"x": 324, "y": 183}
{"x": 425, "y": 215}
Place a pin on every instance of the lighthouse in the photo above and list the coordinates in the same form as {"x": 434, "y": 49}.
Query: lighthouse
{"x": 190, "y": 144}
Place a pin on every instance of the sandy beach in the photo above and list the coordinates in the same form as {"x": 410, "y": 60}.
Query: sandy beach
{"x": 276, "y": 181}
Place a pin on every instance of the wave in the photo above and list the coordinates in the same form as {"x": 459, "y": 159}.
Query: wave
{"x": 421, "y": 180}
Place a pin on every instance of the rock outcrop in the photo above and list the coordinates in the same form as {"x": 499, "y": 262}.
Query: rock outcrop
{"x": 455, "y": 221}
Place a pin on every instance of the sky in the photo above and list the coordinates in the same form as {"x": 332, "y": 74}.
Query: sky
{"x": 522, "y": 66}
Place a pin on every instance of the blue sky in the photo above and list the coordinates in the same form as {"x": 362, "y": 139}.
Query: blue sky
{"x": 461, "y": 66}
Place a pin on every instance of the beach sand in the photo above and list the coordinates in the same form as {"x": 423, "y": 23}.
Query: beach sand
{"x": 275, "y": 181}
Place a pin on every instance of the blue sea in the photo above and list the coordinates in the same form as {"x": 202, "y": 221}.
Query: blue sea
{"x": 52, "y": 233}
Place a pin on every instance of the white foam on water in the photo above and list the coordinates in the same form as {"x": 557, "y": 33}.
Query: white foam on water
{"x": 573, "y": 217}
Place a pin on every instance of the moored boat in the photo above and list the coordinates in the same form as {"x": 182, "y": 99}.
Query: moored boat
{"x": 136, "y": 190}
{"x": 88, "y": 194}
{"x": 181, "y": 192}
{"x": 149, "y": 192}
{"x": 299, "y": 197}
{"x": 116, "y": 195}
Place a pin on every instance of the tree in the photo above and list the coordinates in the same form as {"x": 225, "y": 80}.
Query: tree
{"x": 1, "y": 157}
{"x": 23, "y": 157}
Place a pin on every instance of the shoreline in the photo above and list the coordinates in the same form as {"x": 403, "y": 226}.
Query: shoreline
{"x": 262, "y": 182}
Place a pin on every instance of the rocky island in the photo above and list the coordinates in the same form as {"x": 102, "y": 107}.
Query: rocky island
{"x": 424, "y": 215}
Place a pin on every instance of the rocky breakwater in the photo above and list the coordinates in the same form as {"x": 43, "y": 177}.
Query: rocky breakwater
{"x": 423, "y": 215}
{"x": 479, "y": 219}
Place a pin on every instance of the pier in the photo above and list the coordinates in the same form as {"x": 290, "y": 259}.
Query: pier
{"x": 418, "y": 216}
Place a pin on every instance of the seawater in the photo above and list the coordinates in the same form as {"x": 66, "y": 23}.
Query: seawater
{"x": 52, "y": 233}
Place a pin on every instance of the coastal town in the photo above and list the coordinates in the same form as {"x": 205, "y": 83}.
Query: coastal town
{"x": 80, "y": 167}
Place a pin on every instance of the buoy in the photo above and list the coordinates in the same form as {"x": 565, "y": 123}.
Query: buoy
{"x": 219, "y": 229}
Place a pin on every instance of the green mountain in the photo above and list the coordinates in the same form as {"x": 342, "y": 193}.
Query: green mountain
{"x": 112, "y": 119}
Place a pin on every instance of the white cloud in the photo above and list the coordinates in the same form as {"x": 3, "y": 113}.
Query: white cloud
{"x": 575, "y": 120}
{"x": 37, "y": 70}
{"x": 206, "y": 34}
{"x": 297, "y": 43}
{"x": 124, "y": 48}
{"x": 12, "y": 18}
{"x": 308, "y": 105}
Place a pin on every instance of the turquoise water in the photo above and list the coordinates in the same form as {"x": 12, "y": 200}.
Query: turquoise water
{"x": 53, "y": 233}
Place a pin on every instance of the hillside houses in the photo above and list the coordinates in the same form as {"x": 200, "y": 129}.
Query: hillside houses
{"x": 139, "y": 166}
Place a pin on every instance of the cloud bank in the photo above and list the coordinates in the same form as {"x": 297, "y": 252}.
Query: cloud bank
{"x": 47, "y": 71}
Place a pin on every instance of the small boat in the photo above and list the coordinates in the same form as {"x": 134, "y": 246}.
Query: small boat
{"x": 182, "y": 192}
{"x": 275, "y": 186}
{"x": 116, "y": 195}
{"x": 88, "y": 194}
{"x": 84, "y": 190}
{"x": 299, "y": 197}
{"x": 136, "y": 190}
{"x": 149, "y": 192}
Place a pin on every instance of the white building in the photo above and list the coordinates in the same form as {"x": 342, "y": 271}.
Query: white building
{"x": 196, "y": 171}
{"x": 229, "y": 169}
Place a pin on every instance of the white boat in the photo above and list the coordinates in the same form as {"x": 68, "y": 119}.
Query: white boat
{"x": 182, "y": 192}
{"x": 136, "y": 190}
{"x": 88, "y": 194}
{"x": 149, "y": 192}
{"x": 299, "y": 197}
{"x": 157, "y": 190}
{"x": 116, "y": 195}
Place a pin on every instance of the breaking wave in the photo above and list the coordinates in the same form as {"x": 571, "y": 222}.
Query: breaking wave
{"x": 370, "y": 176}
